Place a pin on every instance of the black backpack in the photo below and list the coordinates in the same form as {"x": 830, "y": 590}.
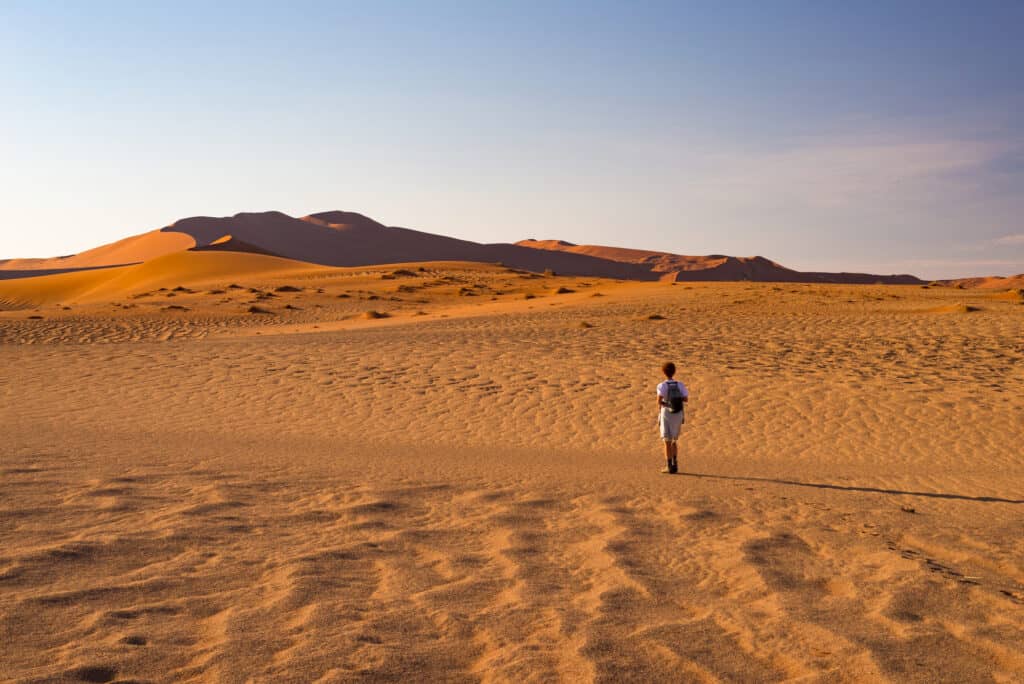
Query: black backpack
{"x": 675, "y": 397}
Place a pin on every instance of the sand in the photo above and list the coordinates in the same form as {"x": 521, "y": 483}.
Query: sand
{"x": 467, "y": 489}
{"x": 341, "y": 238}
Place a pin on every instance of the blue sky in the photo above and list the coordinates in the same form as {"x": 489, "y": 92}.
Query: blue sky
{"x": 825, "y": 135}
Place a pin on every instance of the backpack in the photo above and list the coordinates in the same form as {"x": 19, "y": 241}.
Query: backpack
{"x": 675, "y": 397}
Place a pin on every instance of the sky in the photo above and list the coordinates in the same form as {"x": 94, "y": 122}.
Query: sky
{"x": 885, "y": 137}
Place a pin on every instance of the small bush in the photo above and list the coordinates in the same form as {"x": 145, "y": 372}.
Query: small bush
{"x": 258, "y": 310}
{"x": 374, "y": 314}
{"x": 287, "y": 288}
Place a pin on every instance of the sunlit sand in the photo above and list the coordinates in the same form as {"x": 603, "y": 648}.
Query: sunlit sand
{"x": 465, "y": 486}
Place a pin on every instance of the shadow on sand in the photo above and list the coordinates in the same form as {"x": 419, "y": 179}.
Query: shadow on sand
{"x": 850, "y": 488}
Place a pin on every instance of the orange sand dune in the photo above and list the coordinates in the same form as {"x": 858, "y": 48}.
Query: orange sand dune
{"x": 338, "y": 238}
{"x": 181, "y": 268}
{"x": 714, "y": 267}
{"x": 662, "y": 262}
{"x": 987, "y": 282}
{"x": 132, "y": 250}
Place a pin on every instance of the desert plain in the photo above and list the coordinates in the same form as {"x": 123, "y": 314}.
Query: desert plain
{"x": 249, "y": 471}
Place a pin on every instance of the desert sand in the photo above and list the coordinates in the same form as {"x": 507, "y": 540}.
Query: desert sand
{"x": 345, "y": 238}
{"x": 257, "y": 470}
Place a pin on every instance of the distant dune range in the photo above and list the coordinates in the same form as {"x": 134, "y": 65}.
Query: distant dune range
{"x": 219, "y": 464}
{"x": 273, "y": 240}
{"x": 987, "y": 283}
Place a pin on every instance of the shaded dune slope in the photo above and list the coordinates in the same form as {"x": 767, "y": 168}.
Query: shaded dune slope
{"x": 337, "y": 238}
{"x": 714, "y": 267}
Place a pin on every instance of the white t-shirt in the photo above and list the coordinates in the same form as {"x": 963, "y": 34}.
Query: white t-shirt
{"x": 663, "y": 389}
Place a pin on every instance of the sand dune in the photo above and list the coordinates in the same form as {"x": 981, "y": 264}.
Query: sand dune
{"x": 191, "y": 268}
{"x": 472, "y": 494}
{"x": 716, "y": 267}
{"x": 132, "y": 250}
{"x": 339, "y": 238}
{"x": 987, "y": 283}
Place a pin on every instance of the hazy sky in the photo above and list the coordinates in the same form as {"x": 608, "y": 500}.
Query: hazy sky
{"x": 885, "y": 137}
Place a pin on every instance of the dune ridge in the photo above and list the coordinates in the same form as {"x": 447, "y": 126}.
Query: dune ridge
{"x": 714, "y": 267}
{"x": 338, "y": 238}
{"x": 987, "y": 282}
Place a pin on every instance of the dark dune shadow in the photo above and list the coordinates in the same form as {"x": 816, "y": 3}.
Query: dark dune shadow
{"x": 851, "y": 488}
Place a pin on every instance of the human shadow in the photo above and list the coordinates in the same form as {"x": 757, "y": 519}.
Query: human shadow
{"x": 851, "y": 488}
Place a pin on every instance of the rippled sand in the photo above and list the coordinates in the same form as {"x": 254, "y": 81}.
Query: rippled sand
{"x": 468, "y": 489}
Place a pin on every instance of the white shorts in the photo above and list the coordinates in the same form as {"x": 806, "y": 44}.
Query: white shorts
{"x": 670, "y": 423}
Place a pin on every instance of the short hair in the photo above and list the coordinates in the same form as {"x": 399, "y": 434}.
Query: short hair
{"x": 669, "y": 369}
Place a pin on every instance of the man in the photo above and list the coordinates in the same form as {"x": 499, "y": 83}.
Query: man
{"x": 672, "y": 396}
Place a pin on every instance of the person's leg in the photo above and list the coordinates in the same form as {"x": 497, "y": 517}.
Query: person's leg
{"x": 675, "y": 456}
{"x": 668, "y": 456}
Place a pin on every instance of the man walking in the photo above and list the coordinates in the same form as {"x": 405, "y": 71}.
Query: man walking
{"x": 672, "y": 396}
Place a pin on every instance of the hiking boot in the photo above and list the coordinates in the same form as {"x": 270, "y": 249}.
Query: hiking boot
{"x": 673, "y": 467}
